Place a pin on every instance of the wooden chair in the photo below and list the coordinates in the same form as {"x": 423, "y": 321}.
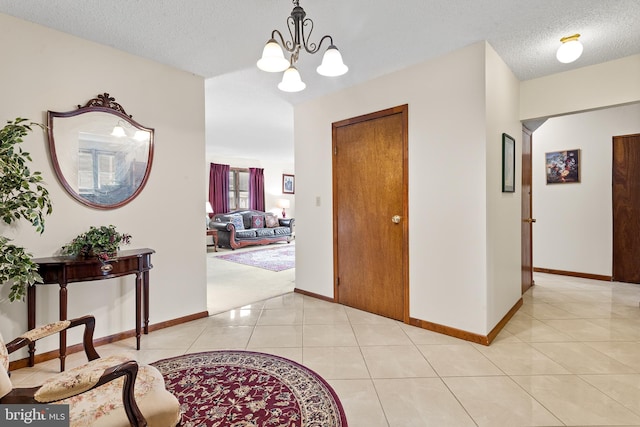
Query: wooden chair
{"x": 113, "y": 391}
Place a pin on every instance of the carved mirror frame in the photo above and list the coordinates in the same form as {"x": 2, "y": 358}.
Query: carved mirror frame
{"x": 83, "y": 141}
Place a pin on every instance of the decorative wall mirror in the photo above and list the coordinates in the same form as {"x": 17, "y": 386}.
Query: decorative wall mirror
{"x": 101, "y": 156}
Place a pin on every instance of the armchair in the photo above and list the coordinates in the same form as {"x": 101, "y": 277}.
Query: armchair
{"x": 113, "y": 391}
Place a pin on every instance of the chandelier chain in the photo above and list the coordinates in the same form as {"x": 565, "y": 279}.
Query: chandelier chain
{"x": 296, "y": 24}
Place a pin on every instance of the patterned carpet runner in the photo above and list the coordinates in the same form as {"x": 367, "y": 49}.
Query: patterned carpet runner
{"x": 275, "y": 259}
{"x": 243, "y": 389}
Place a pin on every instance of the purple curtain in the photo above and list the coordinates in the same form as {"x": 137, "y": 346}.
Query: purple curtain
{"x": 256, "y": 189}
{"x": 219, "y": 188}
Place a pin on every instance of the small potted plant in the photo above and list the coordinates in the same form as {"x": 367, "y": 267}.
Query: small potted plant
{"x": 102, "y": 242}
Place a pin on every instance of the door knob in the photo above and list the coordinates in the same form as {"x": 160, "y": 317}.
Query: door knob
{"x": 529, "y": 220}
{"x": 396, "y": 219}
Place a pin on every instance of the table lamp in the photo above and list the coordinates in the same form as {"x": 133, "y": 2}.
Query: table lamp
{"x": 209, "y": 210}
{"x": 284, "y": 204}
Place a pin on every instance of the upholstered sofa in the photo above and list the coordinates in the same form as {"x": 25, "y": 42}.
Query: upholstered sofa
{"x": 250, "y": 227}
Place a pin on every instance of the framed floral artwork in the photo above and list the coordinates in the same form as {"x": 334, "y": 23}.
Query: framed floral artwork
{"x": 562, "y": 167}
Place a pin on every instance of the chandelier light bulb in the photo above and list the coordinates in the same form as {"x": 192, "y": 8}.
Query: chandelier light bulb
{"x": 273, "y": 59}
{"x": 332, "y": 64}
{"x": 291, "y": 81}
{"x": 141, "y": 135}
{"x": 118, "y": 131}
{"x": 570, "y": 49}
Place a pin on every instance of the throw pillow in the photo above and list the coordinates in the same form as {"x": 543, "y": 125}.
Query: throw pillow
{"x": 257, "y": 221}
{"x": 236, "y": 220}
{"x": 271, "y": 221}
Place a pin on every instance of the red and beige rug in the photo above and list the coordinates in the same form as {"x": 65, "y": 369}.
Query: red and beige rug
{"x": 277, "y": 258}
{"x": 249, "y": 389}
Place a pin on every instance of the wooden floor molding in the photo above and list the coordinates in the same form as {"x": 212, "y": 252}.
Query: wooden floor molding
{"x": 502, "y": 323}
{"x": 313, "y": 295}
{"x": 53, "y": 354}
{"x": 442, "y": 329}
{"x": 573, "y": 274}
{"x": 466, "y": 335}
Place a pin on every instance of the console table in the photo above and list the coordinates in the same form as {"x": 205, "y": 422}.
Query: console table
{"x": 63, "y": 270}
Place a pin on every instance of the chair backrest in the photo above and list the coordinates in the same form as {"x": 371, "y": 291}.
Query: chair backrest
{"x": 5, "y": 381}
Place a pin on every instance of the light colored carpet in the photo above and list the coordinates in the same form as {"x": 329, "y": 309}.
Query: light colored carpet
{"x": 231, "y": 285}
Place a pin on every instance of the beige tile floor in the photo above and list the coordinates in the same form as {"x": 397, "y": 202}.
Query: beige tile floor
{"x": 570, "y": 356}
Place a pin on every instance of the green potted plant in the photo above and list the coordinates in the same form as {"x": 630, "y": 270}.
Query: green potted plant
{"x": 22, "y": 196}
{"x": 102, "y": 242}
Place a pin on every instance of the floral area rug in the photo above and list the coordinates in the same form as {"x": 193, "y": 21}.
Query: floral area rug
{"x": 275, "y": 259}
{"x": 249, "y": 389}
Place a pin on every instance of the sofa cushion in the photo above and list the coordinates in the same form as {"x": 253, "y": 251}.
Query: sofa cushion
{"x": 257, "y": 221}
{"x": 271, "y": 221}
{"x": 264, "y": 232}
{"x": 245, "y": 233}
{"x": 236, "y": 220}
{"x": 282, "y": 231}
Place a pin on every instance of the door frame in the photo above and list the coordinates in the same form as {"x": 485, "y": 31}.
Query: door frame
{"x": 527, "y": 216}
{"x": 616, "y": 222}
{"x": 404, "y": 110}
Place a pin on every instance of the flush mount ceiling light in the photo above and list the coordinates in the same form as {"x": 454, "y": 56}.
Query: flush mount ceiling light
{"x": 570, "y": 49}
{"x": 273, "y": 59}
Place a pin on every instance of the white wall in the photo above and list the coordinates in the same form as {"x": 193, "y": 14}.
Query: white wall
{"x": 588, "y": 227}
{"x": 503, "y": 209}
{"x": 448, "y": 181}
{"x": 587, "y": 88}
{"x": 573, "y": 231}
{"x": 49, "y": 70}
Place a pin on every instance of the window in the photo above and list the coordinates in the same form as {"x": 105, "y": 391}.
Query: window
{"x": 92, "y": 179}
{"x": 85, "y": 172}
{"x": 238, "y": 188}
{"x": 106, "y": 170}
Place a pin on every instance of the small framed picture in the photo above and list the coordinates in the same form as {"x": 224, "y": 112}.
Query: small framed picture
{"x": 562, "y": 167}
{"x": 508, "y": 164}
{"x": 288, "y": 184}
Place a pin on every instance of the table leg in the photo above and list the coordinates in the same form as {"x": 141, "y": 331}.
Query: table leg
{"x": 145, "y": 294}
{"x": 138, "y": 308}
{"x": 31, "y": 319}
{"x": 63, "y": 333}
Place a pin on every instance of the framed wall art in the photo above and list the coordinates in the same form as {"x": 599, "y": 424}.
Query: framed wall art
{"x": 508, "y": 164}
{"x": 288, "y": 184}
{"x": 562, "y": 167}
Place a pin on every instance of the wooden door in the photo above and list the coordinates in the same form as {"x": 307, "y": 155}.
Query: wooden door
{"x": 527, "y": 212}
{"x": 370, "y": 212}
{"x": 626, "y": 208}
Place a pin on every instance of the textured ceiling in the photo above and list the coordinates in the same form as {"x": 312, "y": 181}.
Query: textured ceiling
{"x": 222, "y": 39}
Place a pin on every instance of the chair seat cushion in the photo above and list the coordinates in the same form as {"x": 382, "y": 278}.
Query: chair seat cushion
{"x": 75, "y": 381}
{"x": 282, "y": 231}
{"x": 246, "y": 234}
{"x": 103, "y": 405}
{"x": 264, "y": 232}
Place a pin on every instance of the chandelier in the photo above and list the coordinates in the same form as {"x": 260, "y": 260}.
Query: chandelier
{"x": 273, "y": 59}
